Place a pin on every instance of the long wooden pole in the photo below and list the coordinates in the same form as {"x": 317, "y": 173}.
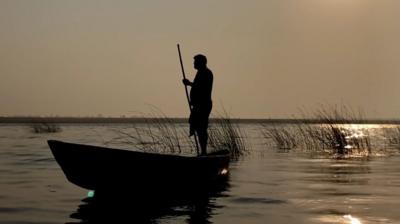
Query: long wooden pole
{"x": 187, "y": 97}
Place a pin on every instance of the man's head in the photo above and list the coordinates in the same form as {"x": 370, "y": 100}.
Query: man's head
{"x": 200, "y": 61}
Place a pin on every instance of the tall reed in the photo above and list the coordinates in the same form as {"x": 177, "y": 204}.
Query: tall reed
{"x": 159, "y": 133}
{"x": 392, "y": 136}
{"x": 282, "y": 135}
{"x": 226, "y": 135}
{"x": 329, "y": 129}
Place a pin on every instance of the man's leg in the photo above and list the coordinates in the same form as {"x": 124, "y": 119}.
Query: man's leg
{"x": 203, "y": 138}
{"x": 201, "y": 119}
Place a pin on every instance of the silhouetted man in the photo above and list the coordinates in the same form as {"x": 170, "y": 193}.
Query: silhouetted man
{"x": 200, "y": 100}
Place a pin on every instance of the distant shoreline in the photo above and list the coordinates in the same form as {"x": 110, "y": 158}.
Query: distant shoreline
{"x": 122, "y": 120}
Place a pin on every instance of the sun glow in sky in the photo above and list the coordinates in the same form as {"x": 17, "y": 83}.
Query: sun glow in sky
{"x": 269, "y": 58}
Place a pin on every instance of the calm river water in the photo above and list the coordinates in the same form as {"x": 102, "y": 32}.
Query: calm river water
{"x": 266, "y": 186}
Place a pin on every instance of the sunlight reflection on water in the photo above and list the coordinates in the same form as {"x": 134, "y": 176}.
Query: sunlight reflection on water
{"x": 352, "y": 219}
{"x": 345, "y": 219}
{"x": 267, "y": 186}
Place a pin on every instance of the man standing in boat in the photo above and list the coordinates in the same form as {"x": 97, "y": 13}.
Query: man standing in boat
{"x": 200, "y": 100}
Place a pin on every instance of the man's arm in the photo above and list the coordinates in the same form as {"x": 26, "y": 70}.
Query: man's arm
{"x": 186, "y": 82}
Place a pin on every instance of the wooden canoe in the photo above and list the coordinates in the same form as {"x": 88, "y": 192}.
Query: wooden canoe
{"x": 94, "y": 167}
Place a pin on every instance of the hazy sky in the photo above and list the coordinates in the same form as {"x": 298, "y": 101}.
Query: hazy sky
{"x": 269, "y": 57}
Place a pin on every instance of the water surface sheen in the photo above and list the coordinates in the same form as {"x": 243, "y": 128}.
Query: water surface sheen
{"x": 266, "y": 186}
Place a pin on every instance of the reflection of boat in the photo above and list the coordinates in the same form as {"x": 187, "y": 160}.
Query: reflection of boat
{"x": 96, "y": 168}
{"x": 196, "y": 208}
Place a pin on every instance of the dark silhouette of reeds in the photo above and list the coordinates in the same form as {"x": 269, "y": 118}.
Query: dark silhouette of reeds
{"x": 226, "y": 135}
{"x": 45, "y": 128}
{"x": 159, "y": 133}
{"x": 282, "y": 136}
{"x": 330, "y": 132}
{"x": 392, "y": 136}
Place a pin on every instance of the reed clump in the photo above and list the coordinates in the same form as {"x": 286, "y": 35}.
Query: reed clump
{"x": 226, "y": 135}
{"x": 283, "y": 137}
{"x": 45, "y": 128}
{"x": 392, "y": 136}
{"x": 157, "y": 133}
{"x": 161, "y": 134}
{"x": 328, "y": 129}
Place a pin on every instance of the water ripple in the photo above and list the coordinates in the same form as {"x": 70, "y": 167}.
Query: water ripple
{"x": 14, "y": 210}
{"x": 250, "y": 200}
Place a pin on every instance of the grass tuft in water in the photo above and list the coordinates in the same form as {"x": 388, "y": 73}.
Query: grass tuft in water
{"x": 392, "y": 136}
{"x": 329, "y": 129}
{"x": 161, "y": 134}
{"x": 157, "y": 133}
{"x": 45, "y": 128}
{"x": 283, "y": 136}
{"x": 226, "y": 135}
